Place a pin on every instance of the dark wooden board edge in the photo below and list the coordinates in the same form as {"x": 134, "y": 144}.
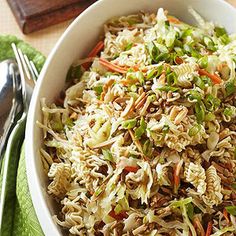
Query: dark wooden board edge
{"x": 16, "y": 12}
{"x": 29, "y": 25}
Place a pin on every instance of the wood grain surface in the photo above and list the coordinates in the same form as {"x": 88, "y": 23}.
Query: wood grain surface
{"x": 34, "y": 15}
{"x": 43, "y": 40}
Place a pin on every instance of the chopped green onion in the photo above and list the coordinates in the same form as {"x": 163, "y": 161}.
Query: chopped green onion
{"x": 133, "y": 88}
{"x": 211, "y": 102}
{"x": 222, "y": 35}
{"x": 180, "y": 203}
{"x": 98, "y": 191}
{"x": 162, "y": 57}
{"x": 233, "y": 185}
{"x": 165, "y": 129}
{"x": 57, "y": 126}
{"x": 140, "y": 77}
{"x": 74, "y": 72}
{"x": 203, "y": 62}
{"x": 228, "y": 111}
{"x": 155, "y": 72}
{"x": 69, "y": 122}
{"x": 155, "y": 54}
{"x": 195, "y": 54}
{"x": 200, "y": 111}
{"x": 153, "y": 51}
{"x": 179, "y": 51}
{"x": 147, "y": 148}
{"x": 151, "y": 74}
{"x": 141, "y": 129}
{"x": 230, "y": 88}
{"x": 194, "y": 130}
{"x": 133, "y": 95}
{"x": 231, "y": 210}
{"x": 128, "y": 46}
{"x": 98, "y": 89}
{"x": 199, "y": 82}
{"x": 167, "y": 88}
{"x": 171, "y": 78}
{"x": 190, "y": 210}
{"x": 225, "y": 39}
{"x": 206, "y": 80}
{"x": 129, "y": 124}
{"x": 210, "y": 117}
{"x": 178, "y": 43}
{"x": 220, "y": 31}
{"x": 194, "y": 95}
{"x": 124, "y": 204}
{"x": 107, "y": 155}
{"x": 187, "y": 48}
{"x": 168, "y": 70}
{"x": 187, "y": 33}
{"x": 134, "y": 20}
{"x": 209, "y": 43}
{"x": 152, "y": 98}
{"x": 118, "y": 209}
{"x": 167, "y": 24}
{"x": 190, "y": 50}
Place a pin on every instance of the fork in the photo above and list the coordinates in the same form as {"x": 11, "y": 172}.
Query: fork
{"x": 28, "y": 74}
{"x": 28, "y": 77}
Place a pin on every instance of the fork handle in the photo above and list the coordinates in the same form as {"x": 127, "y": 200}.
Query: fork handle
{"x": 8, "y": 173}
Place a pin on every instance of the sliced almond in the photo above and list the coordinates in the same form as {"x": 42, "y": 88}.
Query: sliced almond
{"x": 136, "y": 141}
{"x": 140, "y": 98}
{"x": 106, "y": 143}
{"x": 128, "y": 108}
{"x": 141, "y": 103}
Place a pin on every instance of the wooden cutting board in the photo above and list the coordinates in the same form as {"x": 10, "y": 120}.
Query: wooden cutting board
{"x": 33, "y": 15}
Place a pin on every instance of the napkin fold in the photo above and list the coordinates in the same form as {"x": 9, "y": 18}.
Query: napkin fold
{"x": 19, "y": 215}
{"x": 25, "y": 219}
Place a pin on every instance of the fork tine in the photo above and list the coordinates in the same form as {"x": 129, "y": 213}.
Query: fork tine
{"x": 34, "y": 69}
{"x": 17, "y": 56}
{"x": 30, "y": 68}
{"x": 25, "y": 67}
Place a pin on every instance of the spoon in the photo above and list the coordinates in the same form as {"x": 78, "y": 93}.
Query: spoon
{"x": 10, "y": 99}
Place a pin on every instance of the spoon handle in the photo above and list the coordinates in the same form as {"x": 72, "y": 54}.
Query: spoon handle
{"x": 15, "y": 111}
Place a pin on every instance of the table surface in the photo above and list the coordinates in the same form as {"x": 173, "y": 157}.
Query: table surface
{"x": 43, "y": 40}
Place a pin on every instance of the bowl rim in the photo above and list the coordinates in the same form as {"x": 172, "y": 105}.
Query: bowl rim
{"x": 40, "y": 207}
{"x": 42, "y": 211}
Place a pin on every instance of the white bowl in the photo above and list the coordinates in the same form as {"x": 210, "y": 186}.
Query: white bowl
{"x": 75, "y": 43}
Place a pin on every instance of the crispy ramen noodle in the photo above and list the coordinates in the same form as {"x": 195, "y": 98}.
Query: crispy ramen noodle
{"x": 142, "y": 141}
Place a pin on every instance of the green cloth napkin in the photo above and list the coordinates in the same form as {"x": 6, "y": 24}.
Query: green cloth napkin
{"x": 19, "y": 214}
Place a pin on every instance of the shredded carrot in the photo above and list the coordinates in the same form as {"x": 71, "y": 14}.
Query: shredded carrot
{"x": 176, "y": 175}
{"x": 131, "y": 169}
{"x": 209, "y": 228}
{"x": 112, "y": 66}
{"x": 99, "y": 46}
{"x": 96, "y": 49}
{"x": 198, "y": 226}
{"x": 135, "y": 67}
{"x": 214, "y": 78}
{"x": 226, "y": 215}
{"x": 173, "y": 20}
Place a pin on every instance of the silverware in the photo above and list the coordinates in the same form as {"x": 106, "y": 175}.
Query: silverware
{"x": 11, "y": 101}
{"x": 28, "y": 76}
